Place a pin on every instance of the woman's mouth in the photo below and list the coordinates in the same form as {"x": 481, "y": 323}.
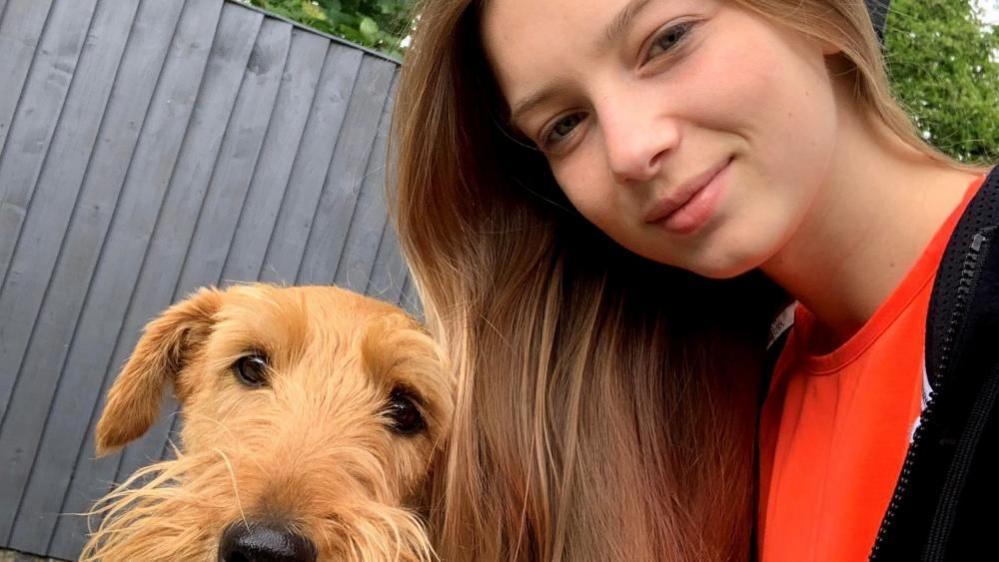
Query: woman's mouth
{"x": 689, "y": 206}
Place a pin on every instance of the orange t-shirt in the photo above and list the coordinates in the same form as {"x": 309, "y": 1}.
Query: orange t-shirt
{"x": 835, "y": 427}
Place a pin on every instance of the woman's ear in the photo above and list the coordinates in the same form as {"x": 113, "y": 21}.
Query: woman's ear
{"x": 165, "y": 349}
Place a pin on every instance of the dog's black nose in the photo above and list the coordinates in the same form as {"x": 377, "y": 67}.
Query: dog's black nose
{"x": 260, "y": 541}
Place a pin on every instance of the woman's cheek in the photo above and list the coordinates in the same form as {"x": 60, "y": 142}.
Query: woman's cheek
{"x": 583, "y": 180}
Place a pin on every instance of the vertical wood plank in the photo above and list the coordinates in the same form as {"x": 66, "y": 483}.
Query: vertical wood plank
{"x": 370, "y": 215}
{"x": 237, "y": 159}
{"x": 112, "y": 286}
{"x": 336, "y": 206}
{"x": 291, "y": 233}
{"x": 20, "y": 31}
{"x": 389, "y": 272}
{"x": 273, "y": 171}
{"x": 40, "y": 244}
{"x": 410, "y": 300}
{"x": 35, "y": 121}
{"x": 76, "y": 394}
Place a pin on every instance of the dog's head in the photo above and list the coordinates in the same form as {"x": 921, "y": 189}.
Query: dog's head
{"x": 312, "y": 418}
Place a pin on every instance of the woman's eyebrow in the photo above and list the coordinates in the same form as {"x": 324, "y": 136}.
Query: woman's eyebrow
{"x": 538, "y": 97}
{"x": 622, "y": 21}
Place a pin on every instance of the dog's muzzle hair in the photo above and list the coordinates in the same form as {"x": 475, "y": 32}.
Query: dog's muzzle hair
{"x": 313, "y": 421}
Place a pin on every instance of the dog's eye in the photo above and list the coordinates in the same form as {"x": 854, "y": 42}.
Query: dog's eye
{"x": 251, "y": 370}
{"x": 405, "y": 417}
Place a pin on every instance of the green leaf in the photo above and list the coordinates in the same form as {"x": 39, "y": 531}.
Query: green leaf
{"x": 313, "y": 11}
{"x": 368, "y": 28}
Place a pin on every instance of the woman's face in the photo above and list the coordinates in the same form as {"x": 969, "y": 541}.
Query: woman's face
{"x": 693, "y": 132}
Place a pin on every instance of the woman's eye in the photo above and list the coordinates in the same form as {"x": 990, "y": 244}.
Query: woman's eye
{"x": 403, "y": 414}
{"x": 251, "y": 370}
{"x": 668, "y": 39}
{"x": 561, "y": 129}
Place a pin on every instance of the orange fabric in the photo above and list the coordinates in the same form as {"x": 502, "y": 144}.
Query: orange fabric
{"x": 835, "y": 428}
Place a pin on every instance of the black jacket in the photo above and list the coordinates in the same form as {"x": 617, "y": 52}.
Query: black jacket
{"x": 946, "y": 501}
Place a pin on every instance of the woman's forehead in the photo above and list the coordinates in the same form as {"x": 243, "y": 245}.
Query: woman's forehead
{"x": 527, "y": 40}
{"x": 529, "y": 23}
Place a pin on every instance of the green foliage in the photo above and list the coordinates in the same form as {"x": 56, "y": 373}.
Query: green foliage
{"x": 379, "y": 24}
{"x": 941, "y": 63}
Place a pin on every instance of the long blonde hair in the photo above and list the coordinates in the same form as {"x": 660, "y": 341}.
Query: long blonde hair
{"x": 606, "y": 403}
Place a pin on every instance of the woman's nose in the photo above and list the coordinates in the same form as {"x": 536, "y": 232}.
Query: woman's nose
{"x": 636, "y": 142}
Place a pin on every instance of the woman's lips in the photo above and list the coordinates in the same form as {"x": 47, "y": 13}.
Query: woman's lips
{"x": 691, "y": 204}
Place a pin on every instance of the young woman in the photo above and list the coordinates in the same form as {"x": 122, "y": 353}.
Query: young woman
{"x": 606, "y": 203}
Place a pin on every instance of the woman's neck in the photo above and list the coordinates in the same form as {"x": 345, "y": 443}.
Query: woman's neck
{"x": 879, "y": 208}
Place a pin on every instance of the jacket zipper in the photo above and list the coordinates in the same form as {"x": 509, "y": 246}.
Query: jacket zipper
{"x": 941, "y": 528}
{"x": 969, "y": 270}
{"x": 954, "y": 481}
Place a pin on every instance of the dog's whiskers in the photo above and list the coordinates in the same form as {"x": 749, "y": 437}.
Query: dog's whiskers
{"x": 235, "y": 488}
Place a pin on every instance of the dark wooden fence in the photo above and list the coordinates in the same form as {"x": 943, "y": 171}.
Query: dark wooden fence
{"x": 149, "y": 147}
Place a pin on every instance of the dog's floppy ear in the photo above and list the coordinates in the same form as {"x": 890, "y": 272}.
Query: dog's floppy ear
{"x": 167, "y": 343}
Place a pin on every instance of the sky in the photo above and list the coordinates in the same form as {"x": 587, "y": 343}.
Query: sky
{"x": 991, "y": 10}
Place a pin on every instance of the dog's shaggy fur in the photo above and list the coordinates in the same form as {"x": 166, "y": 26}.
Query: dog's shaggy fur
{"x": 310, "y": 412}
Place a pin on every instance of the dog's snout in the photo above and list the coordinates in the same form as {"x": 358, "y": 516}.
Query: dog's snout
{"x": 261, "y": 541}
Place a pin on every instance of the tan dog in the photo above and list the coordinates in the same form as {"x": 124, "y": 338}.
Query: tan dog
{"x": 312, "y": 418}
